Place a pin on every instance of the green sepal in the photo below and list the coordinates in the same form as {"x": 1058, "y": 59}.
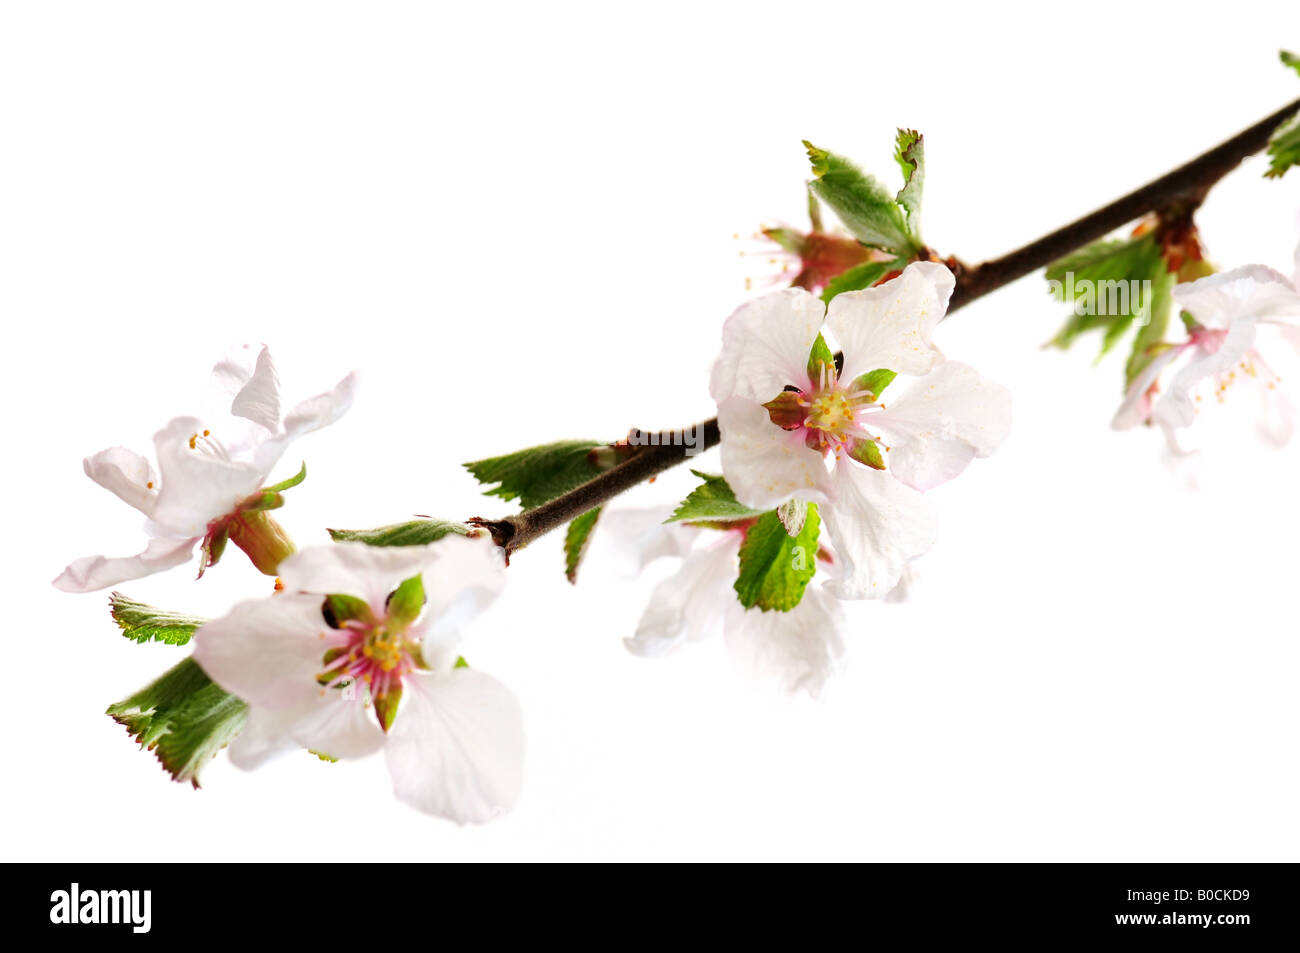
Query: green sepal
{"x": 537, "y": 474}
{"x": 406, "y": 602}
{"x": 339, "y": 608}
{"x": 576, "y": 538}
{"x": 775, "y": 567}
{"x": 789, "y": 239}
{"x": 288, "y": 484}
{"x": 417, "y": 532}
{"x": 144, "y": 623}
{"x": 868, "y": 452}
{"x": 785, "y": 411}
{"x": 712, "y": 500}
{"x": 909, "y": 152}
{"x": 323, "y": 756}
{"x": 1189, "y": 322}
{"x": 868, "y": 211}
{"x": 860, "y": 276}
{"x": 262, "y": 500}
{"x": 460, "y": 662}
{"x": 183, "y": 717}
{"x": 820, "y": 355}
{"x": 875, "y": 381}
{"x": 386, "y": 705}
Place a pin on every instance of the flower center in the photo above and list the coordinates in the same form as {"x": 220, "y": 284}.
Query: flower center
{"x": 831, "y": 412}
{"x": 375, "y": 655}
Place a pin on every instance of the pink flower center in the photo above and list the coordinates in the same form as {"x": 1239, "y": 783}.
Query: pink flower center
{"x": 375, "y": 656}
{"x": 833, "y": 413}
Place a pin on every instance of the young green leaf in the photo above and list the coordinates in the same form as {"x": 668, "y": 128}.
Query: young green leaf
{"x": 575, "y": 542}
{"x": 415, "y": 532}
{"x": 775, "y": 567}
{"x": 712, "y": 500}
{"x": 868, "y": 211}
{"x": 1105, "y": 282}
{"x": 860, "y": 276}
{"x": 144, "y": 623}
{"x": 538, "y": 474}
{"x": 1289, "y": 59}
{"x": 909, "y": 152}
{"x": 183, "y": 717}
{"x": 1284, "y": 149}
{"x": 1152, "y": 333}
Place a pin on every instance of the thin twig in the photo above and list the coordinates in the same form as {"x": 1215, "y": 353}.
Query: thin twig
{"x": 1187, "y": 184}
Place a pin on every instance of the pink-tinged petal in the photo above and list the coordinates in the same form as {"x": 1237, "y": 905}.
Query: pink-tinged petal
{"x": 127, "y": 475}
{"x": 889, "y": 326}
{"x": 801, "y": 650}
{"x": 1138, "y": 400}
{"x": 268, "y": 651}
{"x": 763, "y": 464}
{"x": 197, "y": 485}
{"x": 690, "y": 604}
{"x": 877, "y": 525}
{"x": 100, "y": 572}
{"x": 1177, "y": 408}
{"x": 1253, "y": 291}
{"x": 942, "y": 422}
{"x": 353, "y": 569}
{"x": 765, "y": 345}
{"x": 456, "y": 749}
{"x": 259, "y": 399}
{"x": 310, "y": 415}
{"x": 464, "y": 575}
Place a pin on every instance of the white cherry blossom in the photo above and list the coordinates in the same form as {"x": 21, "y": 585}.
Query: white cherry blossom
{"x": 797, "y": 428}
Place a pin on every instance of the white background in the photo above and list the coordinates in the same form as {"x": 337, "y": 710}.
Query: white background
{"x": 517, "y": 222}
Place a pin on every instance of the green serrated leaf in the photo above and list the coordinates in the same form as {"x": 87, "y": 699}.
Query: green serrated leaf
{"x": 868, "y": 211}
{"x": 712, "y": 500}
{"x": 406, "y": 602}
{"x": 575, "y": 542}
{"x": 820, "y": 355}
{"x": 183, "y": 717}
{"x": 1151, "y": 334}
{"x": 774, "y": 567}
{"x": 875, "y": 381}
{"x": 415, "y": 532}
{"x": 1104, "y": 283}
{"x": 288, "y": 484}
{"x": 144, "y": 623}
{"x": 1284, "y": 149}
{"x": 538, "y": 474}
{"x": 909, "y": 152}
{"x": 860, "y": 276}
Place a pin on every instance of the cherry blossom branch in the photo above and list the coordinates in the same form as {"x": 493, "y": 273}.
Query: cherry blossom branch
{"x": 1182, "y": 189}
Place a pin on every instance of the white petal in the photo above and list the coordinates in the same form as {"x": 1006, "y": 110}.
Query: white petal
{"x": 100, "y": 572}
{"x": 1176, "y": 408}
{"x": 1137, "y": 406}
{"x": 456, "y": 748}
{"x": 763, "y": 464}
{"x": 268, "y": 651}
{"x": 691, "y": 603}
{"x": 942, "y": 422}
{"x": 632, "y": 538}
{"x": 889, "y": 326}
{"x": 1277, "y": 419}
{"x": 259, "y": 399}
{"x": 337, "y": 724}
{"x": 1253, "y": 291}
{"x": 312, "y": 414}
{"x": 265, "y": 735}
{"x": 877, "y": 525}
{"x": 765, "y": 345}
{"x": 463, "y": 577}
{"x": 229, "y": 375}
{"x": 126, "y": 474}
{"x": 354, "y": 569}
{"x": 801, "y": 649}
{"x": 196, "y": 486}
